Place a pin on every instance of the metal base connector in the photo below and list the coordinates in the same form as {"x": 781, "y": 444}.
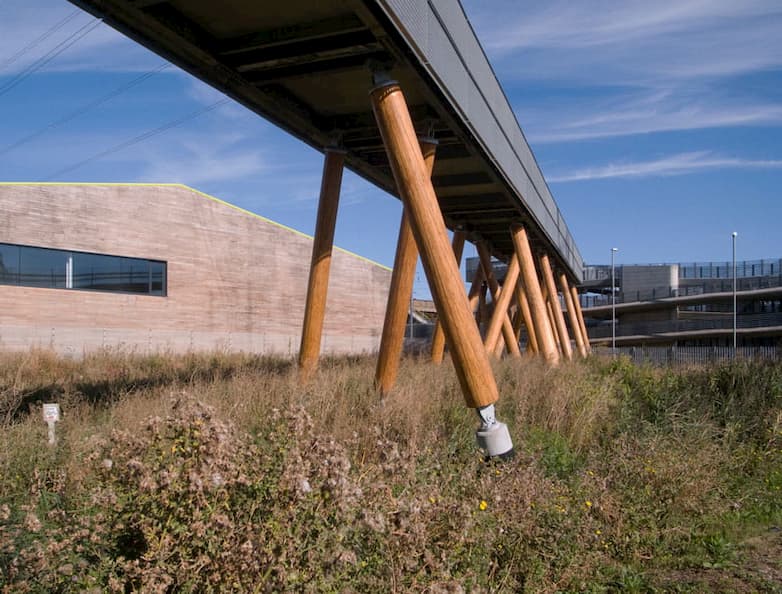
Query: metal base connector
{"x": 493, "y": 437}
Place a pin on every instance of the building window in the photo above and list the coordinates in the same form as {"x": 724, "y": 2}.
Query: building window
{"x": 9, "y": 264}
{"x": 61, "y": 269}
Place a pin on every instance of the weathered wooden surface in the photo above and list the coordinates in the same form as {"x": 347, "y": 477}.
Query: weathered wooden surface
{"x": 543, "y": 332}
{"x": 317, "y": 288}
{"x": 572, "y": 314}
{"x": 438, "y": 337}
{"x": 402, "y": 279}
{"x": 415, "y": 188}
{"x": 556, "y": 310}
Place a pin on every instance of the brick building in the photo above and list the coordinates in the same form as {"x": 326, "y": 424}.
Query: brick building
{"x": 167, "y": 268}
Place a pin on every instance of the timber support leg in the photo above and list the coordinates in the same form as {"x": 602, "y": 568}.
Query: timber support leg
{"x": 532, "y": 338}
{"x": 556, "y": 309}
{"x": 400, "y": 293}
{"x": 438, "y": 338}
{"x": 318, "y": 284}
{"x": 547, "y": 346}
{"x": 477, "y": 288}
{"x": 551, "y": 321}
{"x": 414, "y": 185}
{"x": 575, "y": 326}
{"x": 499, "y": 321}
{"x": 577, "y": 303}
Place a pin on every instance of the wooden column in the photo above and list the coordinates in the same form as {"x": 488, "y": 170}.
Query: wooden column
{"x": 415, "y": 188}
{"x": 400, "y": 293}
{"x": 532, "y": 340}
{"x": 556, "y": 308}
{"x": 498, "y": 322}
{"x": 580, "y": 313}
{"x": 550, "y": 314}
{"x": 438, "y": 338}
{"x": 317, "y": 288}
{"x": 517, "y": 319}
{"x": 476, "y": 290}
{"x": 543, "y": 332}
{"x": 572, "y": 315}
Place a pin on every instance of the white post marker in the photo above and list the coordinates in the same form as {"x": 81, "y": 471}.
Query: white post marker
{"x": 51, "y": 414}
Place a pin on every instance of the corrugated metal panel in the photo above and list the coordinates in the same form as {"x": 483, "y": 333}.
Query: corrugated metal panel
{"x": 414, "y": 15}
{"x": 448, "y": 48}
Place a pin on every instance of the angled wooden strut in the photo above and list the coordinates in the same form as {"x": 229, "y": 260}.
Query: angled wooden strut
{"x": 572, "y": 314}
{"x": 317, "y": 287}
{"x": 482, "y": 313}
{"x": 547, "y": 346}
{"x": 438, "y": 338}
{"x": 515, "y": 316}
{"x": 415, "y": 188}
{"x": 400, "y": 292}
{"x": 526, "y": 314}
{"x": 580, "y": 313}
{"x": 551, "y": 321}
{"x": 499, "y": 321}
{"x": 477, "y": 288}
{"x": 550, "y": 314}
{"x": 556, "y": 309}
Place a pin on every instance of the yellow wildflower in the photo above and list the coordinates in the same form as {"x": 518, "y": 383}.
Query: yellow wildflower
{"x": 483, "y": 505}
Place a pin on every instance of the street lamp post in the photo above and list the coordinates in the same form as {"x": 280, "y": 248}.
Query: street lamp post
{"x": 733, "y": 235}
{"x": 613, "y": 304}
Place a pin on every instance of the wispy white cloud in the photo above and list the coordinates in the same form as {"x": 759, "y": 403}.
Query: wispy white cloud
{"x": 631, "y": 66}
{"x": 644, "y": 113}
{"x": 199, "y": 158}
{"x": 678, "y": 164}
{"x": 635, "y": 38}
{"x": 25, "y": 22}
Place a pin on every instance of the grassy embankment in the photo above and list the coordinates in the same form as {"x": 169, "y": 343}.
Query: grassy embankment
{"x": 219, "y": 473}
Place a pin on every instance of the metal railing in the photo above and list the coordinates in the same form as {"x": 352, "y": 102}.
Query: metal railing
{"x": 673, "y": 356}
{"x": 665, "y": 326}
{"x": 696, "y": 270}
{"x": 744, "y": 269}
{"x": 655, "y": 293}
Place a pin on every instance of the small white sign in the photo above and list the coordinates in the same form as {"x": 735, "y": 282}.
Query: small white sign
{"x": 51, "y": 412}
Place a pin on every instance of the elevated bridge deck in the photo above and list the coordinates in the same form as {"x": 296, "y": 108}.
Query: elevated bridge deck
{"x": 305, "y": 65}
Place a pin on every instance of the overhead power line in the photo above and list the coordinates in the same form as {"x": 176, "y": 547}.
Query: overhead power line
{"x": 35, "y": 42}
{"x": 140, "y": 138}
{"x": 85, "y": 108}
{"x": 50, "y": 55}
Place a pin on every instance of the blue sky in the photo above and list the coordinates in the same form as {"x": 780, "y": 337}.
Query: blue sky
{"x": 657, "y": 125}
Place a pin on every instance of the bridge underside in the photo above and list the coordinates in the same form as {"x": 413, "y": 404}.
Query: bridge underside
{"x": 401, "y": 93}
{"x": 306, "y": 66}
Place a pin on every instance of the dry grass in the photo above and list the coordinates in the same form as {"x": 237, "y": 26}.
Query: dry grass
{"x": 623, "y": 476}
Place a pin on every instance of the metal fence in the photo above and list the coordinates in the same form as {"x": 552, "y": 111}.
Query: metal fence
{"x": 744, "y": 269}
{"x": 664, "y": 326}
{"x": 695, "y": 270}
{"x": 676, "y": 356}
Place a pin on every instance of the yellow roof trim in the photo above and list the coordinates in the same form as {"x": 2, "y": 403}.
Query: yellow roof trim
{"x": 200, "y": 193}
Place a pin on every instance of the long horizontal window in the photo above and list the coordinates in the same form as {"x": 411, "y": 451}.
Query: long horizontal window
{"x": 60, "y": 269}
